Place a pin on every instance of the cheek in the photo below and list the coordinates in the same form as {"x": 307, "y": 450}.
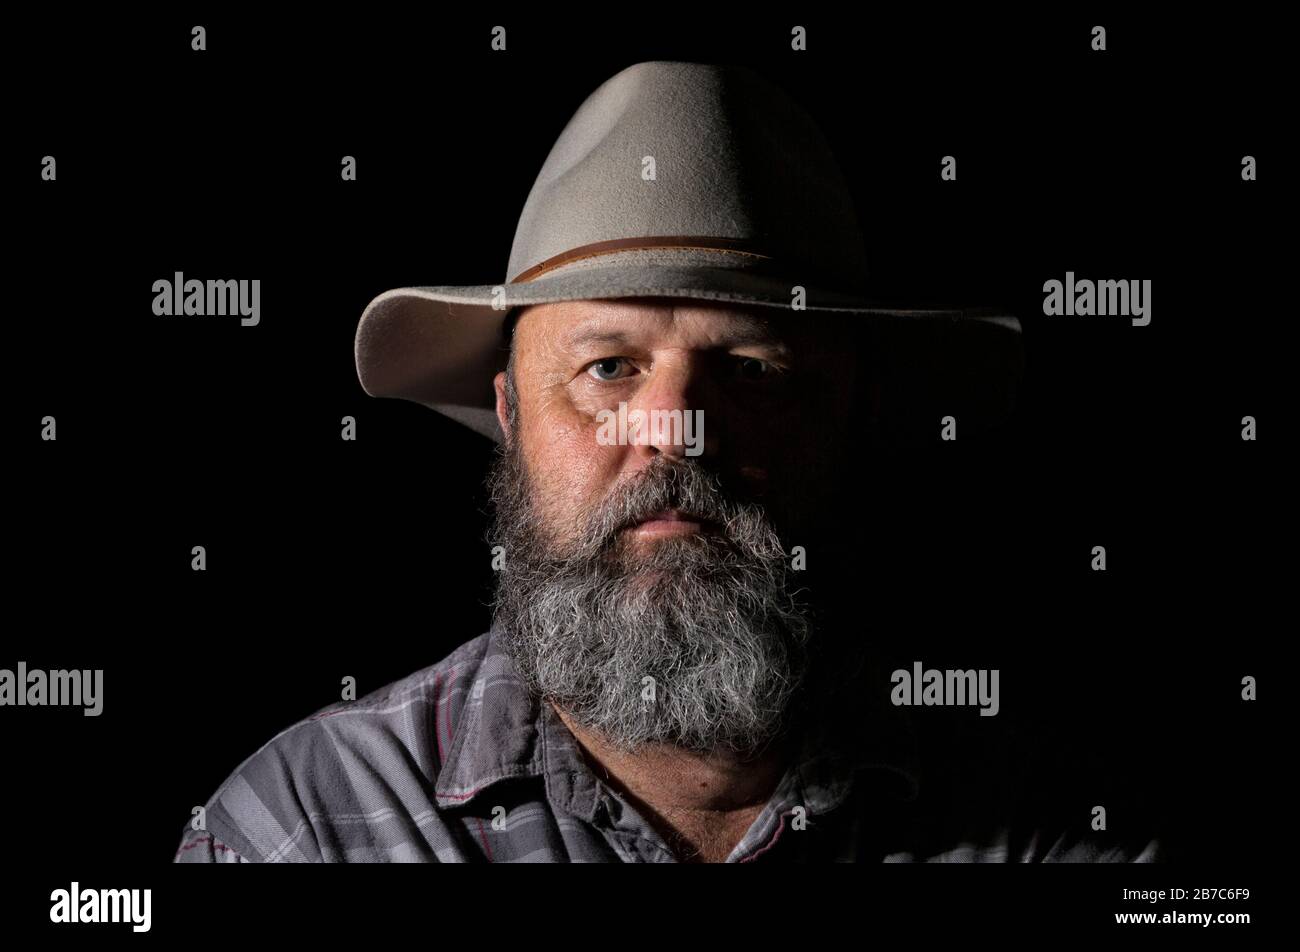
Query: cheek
{"x": 786, "y": 442}
{"x": 573, "y": 472}
{"x": 791, "y": 466}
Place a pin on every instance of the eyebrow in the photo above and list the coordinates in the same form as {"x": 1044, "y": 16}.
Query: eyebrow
{"x": 592, "y": 336}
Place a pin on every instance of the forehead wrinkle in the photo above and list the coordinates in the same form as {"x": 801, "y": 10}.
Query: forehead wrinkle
{"x": 734, "y": 328}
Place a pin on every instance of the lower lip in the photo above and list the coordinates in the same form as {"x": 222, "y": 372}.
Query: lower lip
{"x": 668, "y": 527}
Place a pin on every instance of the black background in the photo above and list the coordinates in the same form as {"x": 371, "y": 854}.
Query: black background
{"x": 329, "y": 558}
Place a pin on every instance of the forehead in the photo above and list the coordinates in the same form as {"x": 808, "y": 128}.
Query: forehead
{"x": 570, "y": 325}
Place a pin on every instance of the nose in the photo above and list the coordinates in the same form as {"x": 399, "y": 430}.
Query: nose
{"x": 673, "y": 418}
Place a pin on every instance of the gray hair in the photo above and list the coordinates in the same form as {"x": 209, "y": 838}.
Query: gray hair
{"x": 699, "y": 642}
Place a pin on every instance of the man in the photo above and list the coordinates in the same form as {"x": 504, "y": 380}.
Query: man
{"x": 682, "y": 381}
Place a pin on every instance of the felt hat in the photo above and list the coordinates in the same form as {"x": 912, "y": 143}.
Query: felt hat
{"x": 683, "y": 180}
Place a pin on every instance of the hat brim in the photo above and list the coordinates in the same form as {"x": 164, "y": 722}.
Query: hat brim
{"x": 442, "y": 346}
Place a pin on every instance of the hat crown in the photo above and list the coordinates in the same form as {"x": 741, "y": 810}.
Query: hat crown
{"x": 733, "y": 158}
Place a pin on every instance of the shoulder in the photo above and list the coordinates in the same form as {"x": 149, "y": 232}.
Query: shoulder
{"x": 1006, "y": 844}
{"x": 200, "y": 846}
{"x": 1003, "y": 796}
{"x": 364, "y": 762}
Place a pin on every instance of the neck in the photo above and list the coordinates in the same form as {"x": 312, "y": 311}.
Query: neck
{"x": 702, "y": 803}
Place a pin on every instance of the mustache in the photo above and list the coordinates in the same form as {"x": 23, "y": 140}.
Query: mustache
{"x": 697, "y": 493}
{"x": 740, "y": 524}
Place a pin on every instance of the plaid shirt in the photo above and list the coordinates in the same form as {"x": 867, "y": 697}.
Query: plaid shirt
{"x": 458, "y": 763}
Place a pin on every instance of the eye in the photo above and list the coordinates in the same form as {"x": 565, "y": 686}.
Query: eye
{"x": 752, "y": 368}
{"x": 607, "y": 368}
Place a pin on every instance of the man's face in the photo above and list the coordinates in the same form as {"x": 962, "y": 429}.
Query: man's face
{"x": 647, "y": 584}
{"x": 771, "y": 390}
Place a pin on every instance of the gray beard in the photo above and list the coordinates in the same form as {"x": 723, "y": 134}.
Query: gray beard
{"x": 712, "y": 619}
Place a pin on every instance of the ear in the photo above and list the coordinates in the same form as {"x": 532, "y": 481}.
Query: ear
{"x": 503, "y": 416}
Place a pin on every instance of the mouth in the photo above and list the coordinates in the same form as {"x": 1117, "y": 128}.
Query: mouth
{"x": 673, "y": 522}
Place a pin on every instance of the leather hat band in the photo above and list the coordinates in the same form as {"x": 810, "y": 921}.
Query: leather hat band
{"x": 596, "y": 249}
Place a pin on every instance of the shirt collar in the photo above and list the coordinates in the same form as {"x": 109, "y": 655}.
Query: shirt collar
{"x": 505, "y": 733}
{"x": 859, "y": 737}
